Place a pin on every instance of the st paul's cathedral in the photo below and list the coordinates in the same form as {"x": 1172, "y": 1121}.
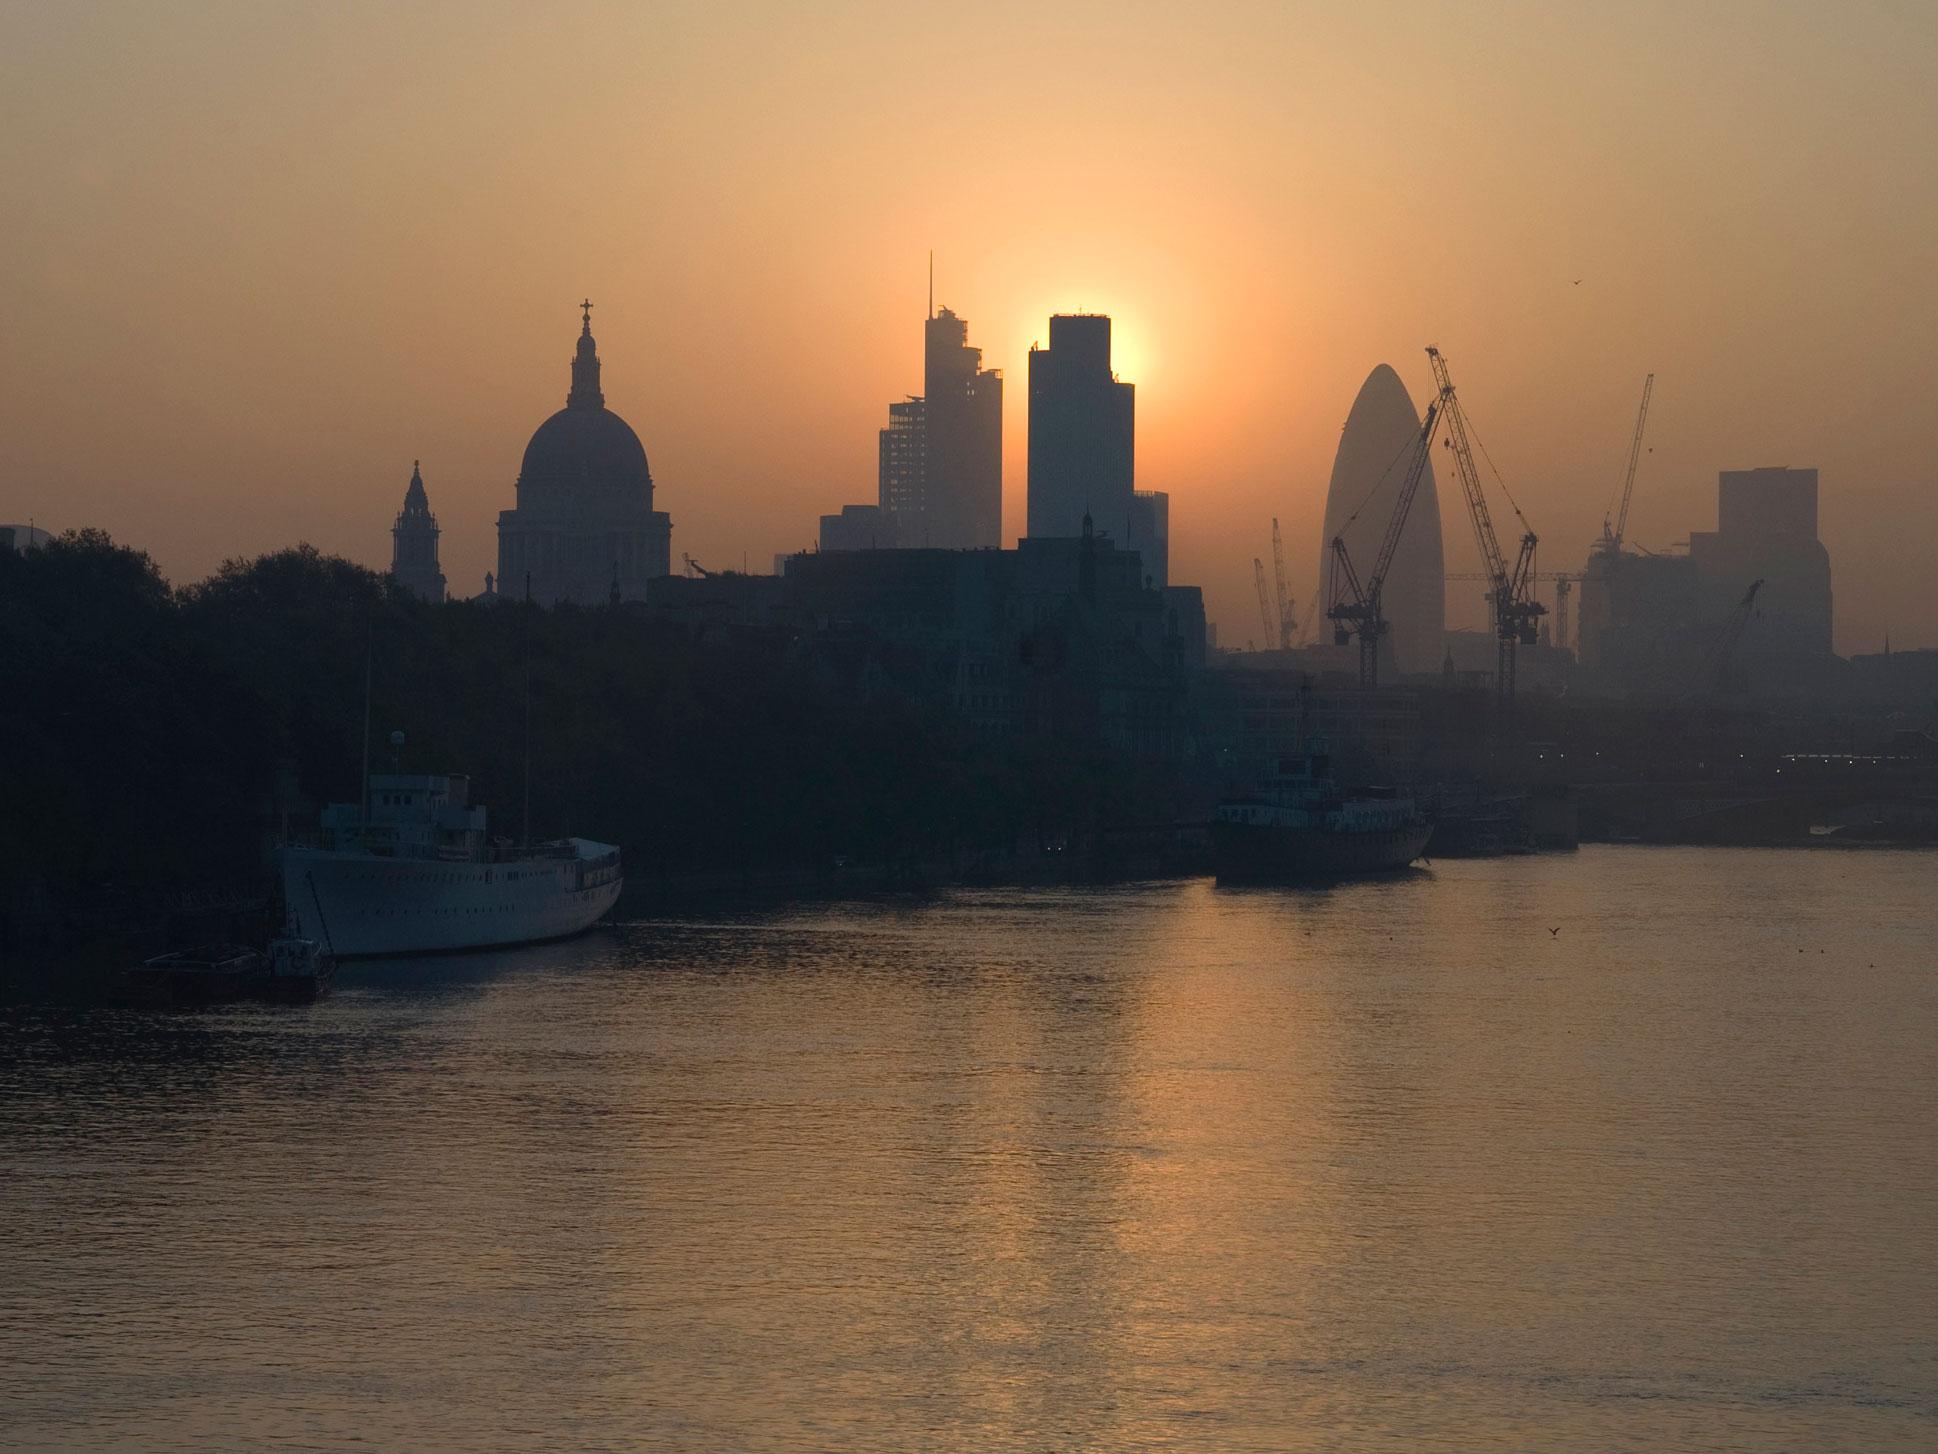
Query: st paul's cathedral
{"x": 584, "y": 528}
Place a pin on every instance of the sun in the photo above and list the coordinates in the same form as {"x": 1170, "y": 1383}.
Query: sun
{"x": 1131, "y": 354}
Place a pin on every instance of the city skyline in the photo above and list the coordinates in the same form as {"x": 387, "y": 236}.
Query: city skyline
{"x": 216, "y": 355}
{"x": 822, "y": 727}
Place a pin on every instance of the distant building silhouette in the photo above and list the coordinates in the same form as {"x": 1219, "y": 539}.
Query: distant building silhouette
{"x": 902, "y": 471}
{"x": 1059, "y": 637}
{"x": 940, "y": 479}
{"x": 1899, "y": 680}
{"x": 584, "y": 528}
{"x": 1150, "y": 533}
{"x": 857, "y": 527}
{"x": 413, "y": 544}
{"x": 1766, "y": 529}
{"x": 1650, "y": 623}
{"x": 1640, "y": 621}
{"x": 1367, "y": 472}
{"x": 962, "y": 486}
{"x": 1082, "y": 444}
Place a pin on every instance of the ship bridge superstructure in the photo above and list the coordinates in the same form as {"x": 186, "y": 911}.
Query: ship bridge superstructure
{"x": 410, "y": 815}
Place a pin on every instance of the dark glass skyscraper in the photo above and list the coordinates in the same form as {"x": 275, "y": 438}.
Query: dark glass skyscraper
{"x": 941, "y": 463}
{"x": 1082, "y": 433}
{"x": 965, "y": 439}
{"x": 903, "y": 468}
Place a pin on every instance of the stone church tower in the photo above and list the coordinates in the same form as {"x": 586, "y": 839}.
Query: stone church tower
{"x": 413, "y": 551}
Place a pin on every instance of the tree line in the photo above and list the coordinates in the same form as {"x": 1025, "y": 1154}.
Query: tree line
{"x": 161, "y": 738}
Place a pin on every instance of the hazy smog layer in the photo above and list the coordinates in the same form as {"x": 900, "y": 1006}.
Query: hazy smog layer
{"x": 260, "y": 258}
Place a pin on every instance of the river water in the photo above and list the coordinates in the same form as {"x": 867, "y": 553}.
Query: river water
{"x": 1633, "y": 1148}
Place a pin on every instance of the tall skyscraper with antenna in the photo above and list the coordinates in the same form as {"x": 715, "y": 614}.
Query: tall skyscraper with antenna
{"x": 940, "y": 481}
{"x": 963, "y": 419}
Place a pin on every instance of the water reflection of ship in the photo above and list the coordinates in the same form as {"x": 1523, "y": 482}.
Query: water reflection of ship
{"x": 1298, "y": 825}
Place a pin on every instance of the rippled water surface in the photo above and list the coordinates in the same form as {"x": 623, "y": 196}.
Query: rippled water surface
{"x": 1629, "y": 1149}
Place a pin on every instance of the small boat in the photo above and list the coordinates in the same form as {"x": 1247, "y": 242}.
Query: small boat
{"x": 299, "y": 969}
{"x": 292, "y": 971}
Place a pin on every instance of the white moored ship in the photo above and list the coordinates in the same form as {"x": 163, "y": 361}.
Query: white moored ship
{"x": 413, "y": 872}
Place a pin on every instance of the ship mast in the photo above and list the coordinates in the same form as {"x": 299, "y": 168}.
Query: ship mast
{"x": 528, "y": 711}
{"x": 364, "y": 827}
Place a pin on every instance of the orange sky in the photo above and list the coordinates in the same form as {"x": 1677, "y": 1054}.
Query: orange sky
{"x": 257, "y": 258}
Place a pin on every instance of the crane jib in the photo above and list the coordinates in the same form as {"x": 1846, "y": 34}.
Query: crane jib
{"x": 1516, "y": 612}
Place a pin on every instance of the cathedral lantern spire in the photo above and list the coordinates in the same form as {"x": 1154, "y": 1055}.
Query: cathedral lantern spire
{"x": 585, "y": 368}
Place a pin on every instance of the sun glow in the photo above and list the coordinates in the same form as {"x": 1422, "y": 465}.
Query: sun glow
{"x": 1131, "y": 356}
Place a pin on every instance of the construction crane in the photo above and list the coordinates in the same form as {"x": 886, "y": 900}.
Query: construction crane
{"x": 1285, "y": 601}
{"x": 1611, "y": 540}
{"x": 1510, "y": 588}
{"x": 1716, "y": 669}
{"x": 1564, "y": 588}
{"x": 1355, "y": 608}
{"x": 1264, "y": 601}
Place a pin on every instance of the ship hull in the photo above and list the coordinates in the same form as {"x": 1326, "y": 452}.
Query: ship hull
{"x": 1266, "y": 853}
{"x": 363, "y": 905}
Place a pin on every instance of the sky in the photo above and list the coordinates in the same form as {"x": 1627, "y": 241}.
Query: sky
{"x": 257, "y": 258}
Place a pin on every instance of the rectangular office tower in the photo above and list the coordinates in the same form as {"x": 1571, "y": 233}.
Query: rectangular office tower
{"x": 941, "y": 462}
{"x": 1082, "y": 431}
{"x": 964, "y": 506}
{"x": 1766, "y": 530}
{"x": 902, "y": 470}
{"x": 1150, "y": 534}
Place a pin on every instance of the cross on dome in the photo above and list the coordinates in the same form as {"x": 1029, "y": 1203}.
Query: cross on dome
{"x": 585, "y": 367}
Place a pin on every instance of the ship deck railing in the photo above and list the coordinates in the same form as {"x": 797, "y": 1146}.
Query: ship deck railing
{"x": 386, "y": 847}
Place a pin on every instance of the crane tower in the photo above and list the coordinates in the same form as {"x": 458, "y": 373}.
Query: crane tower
{"x": 1511, "y": 588}
{"x": 1284, "y": 598}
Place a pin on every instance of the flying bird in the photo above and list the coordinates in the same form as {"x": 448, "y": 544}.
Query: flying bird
{"x": 1556, "y": 931}
{"x": 1577, "y": 282}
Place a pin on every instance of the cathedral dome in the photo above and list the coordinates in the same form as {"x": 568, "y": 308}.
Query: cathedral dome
{"x": 585, "y": 454}
{"x": 584, "y": 529}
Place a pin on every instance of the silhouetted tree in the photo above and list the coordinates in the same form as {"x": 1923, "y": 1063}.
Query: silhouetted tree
{"x": 148, "y": 729}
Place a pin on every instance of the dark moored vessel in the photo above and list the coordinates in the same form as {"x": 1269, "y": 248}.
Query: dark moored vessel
{"x": 1299, "y": 827}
